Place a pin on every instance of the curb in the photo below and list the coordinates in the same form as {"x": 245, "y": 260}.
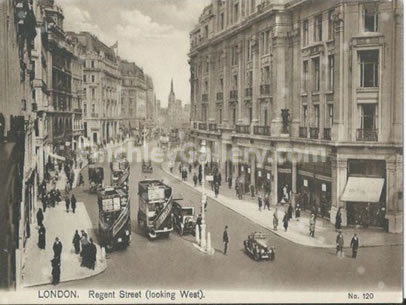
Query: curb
{"x": 269, "y": 228}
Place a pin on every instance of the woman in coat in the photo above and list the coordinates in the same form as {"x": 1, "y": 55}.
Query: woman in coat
{"x": 73, "y": 203}
{"x": 56, "y": 271}
{"x": 41, "y": 237}
{"x": 338, "y": 220}
{"x": 340, "y": 244}
{"x": 286, "y": 221}
{"x": 76, "y": 242}
{"x": 312, "y": 225}
{"x": 40, "y": 217}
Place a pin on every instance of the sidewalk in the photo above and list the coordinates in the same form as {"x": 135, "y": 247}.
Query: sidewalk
{"x": 298, "y": 230}
{"x": 59, "y": 223}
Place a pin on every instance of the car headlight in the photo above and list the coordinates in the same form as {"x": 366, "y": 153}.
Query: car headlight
{"x": 127, "y": 232}
{"x": 119, "y": 239}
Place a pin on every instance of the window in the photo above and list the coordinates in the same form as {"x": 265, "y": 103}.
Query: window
{"x": 318, "y": 26}
{"x": 368, "y": 116}
{"x": 207, "y": 64}
{"x": 234, "y": 55}
{"x": 221, "y": 84}
{"x": 249, "y": 51}
{"x": 369, "y": 63}
{"x": 236, "y": 12}
{"x": 84, "y": 78}
{"x": 305, "y": 32}
{"x": 235, "y": 81}
{"x": 331, "y": 72}
{"x": 206, "y": 86}
{"x": 316, "y": 74}
{"x": 204, "y": 113}
{"x": 304, "y": 115}
{"x": 92, "y": 63}
{"x": 206, "y": 31}
{"x": 265, "y": 42}
{"x": 93, "y": 108}
{"x": 305, "y": 75}
{"x": 234, "y": 116}
{"x": 330, "y": 115}
{"x": 266, "y": 117}
{"x": 222, "y": 21}
{"x": 370, "y": 19}
{"x": 331, "y": 24}
{"x": 250, "y": 114}
{"x": 93, "y": 78}
{"x": 93, "y": 93}
{"x": 220, "y": 116}
{"x": 317, "y": 115}
{"x": 249, "y": 79}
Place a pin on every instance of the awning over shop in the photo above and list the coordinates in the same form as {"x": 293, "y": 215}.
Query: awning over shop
{"x": 363, "y": 189}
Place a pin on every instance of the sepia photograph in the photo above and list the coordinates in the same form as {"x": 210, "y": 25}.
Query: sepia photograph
{"x": 201, "y": 151}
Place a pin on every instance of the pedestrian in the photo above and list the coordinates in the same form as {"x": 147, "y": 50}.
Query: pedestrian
{"x": 340, "y": 244}
{"x": 56, "y": 270}
{"x": 275, "y": 220}
{"x": 286, "y": 221}
{"x": 297, "y": 208}
{"x": 354, "y": 245}
{"x": 225, "y": 240}
{"x": 290, "y": 211}
{"x": 92, "y": 254}
{"x": 84, "y": 245}
{"x": 312, "y": 225}
{"x": 40, "y": 217}
{"x": 73, "y": 203}
{"x": 200, "y": 178}
{"x": 267, "y": 203}
{"x": 195, "y": 179}
{"x": 57, "y": 247}
{"x": 285, "y": 193}
{"x": 81, "y": 181}
{"x": 67, "y": 203}
{"x": 216, "y": 189}
{"x": 252, "y": 189}
{"x": 44, "y": 200}
{"x": 199, "y": 223}
{"x": 338, "y": 220}
{"x": 67, "y": 189}
{"x": 51, "y": 199}
{"x": 230, "y": 182}
{"x": 41, "y": 237}
{"x": 259, "y": 203}
{"x": 219, "y": 178}
{"x": 76, "y": 242}
{"x": 190, "y": 168}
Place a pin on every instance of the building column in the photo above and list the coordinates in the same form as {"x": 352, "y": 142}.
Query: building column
{"x": 255, "y": 81}
{"x": 252, "y": 166}
{"x": 226, "y": 88}
{"x": 294, "y": 180}
{"x": 240, "y": 89}
{"x": 274, "y": 183}
{"x": 339, "y": 180}
{"x": 393, "y": 213}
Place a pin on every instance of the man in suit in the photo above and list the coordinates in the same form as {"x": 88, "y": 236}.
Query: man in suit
{"x": 225, "y": 240}
{"x": 354, "y": 245}
{"x": 57, "y": 249}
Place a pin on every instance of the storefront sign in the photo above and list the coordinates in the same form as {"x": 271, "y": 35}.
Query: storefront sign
{"x": 305, "y": 183}
{"x": 259, "y": 174}
{"x": 324, "y": 187}
{"x": 268, "y": 175}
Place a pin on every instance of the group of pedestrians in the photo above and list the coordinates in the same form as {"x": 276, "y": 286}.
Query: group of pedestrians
{"x": 86, "y": 248}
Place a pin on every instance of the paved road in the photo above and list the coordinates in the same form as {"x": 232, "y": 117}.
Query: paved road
{"x": 175, "y": 263}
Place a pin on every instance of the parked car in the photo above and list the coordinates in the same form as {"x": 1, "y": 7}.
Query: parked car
{"x": 146, "y": 167}
{"x": 183, "y": 219}
{"x": 258, "y": 246}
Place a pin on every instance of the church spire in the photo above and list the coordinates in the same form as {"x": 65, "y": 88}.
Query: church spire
{"x": 171, "y": 85}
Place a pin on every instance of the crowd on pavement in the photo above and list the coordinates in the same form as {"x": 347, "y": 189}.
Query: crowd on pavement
{"x": 262, "y": 195}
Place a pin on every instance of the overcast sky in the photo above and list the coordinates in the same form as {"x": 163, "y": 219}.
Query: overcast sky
{"x": 152, "y": 33}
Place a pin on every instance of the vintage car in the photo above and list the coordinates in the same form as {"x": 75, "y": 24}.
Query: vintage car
{"x": 257, "y": 245}
{"x": 146, "y": 167}
{"x": 183, "y": 219}
{"x": 96, "y": 176}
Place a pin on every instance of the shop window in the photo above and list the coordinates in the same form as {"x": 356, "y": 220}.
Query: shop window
{"x": 369, "y": 63}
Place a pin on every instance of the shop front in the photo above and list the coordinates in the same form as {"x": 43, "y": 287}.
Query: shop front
{"x": 244, "y": 172}
{"x": 284, "y": 178}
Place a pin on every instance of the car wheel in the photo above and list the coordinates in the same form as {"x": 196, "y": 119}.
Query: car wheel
{"x": 256, "y": 256}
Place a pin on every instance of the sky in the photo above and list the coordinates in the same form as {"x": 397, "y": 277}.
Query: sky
{"x": 152, "y": 33}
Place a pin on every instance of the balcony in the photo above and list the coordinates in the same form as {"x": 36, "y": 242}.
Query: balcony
{"x": 262, "y": 130}
{"x": 367, "y": 135}
{"x": 212, "y": 127}
{"x": 265, "y": 89}
{"x": 248, "y": 92}
{"x": 202, "y": 126}
{"x": 327, "y": 134}
{"x": 205, "y": 97}
{"x": 314, "y": 133}
{"x": 245, "y": 129}
{"x": 303, "y": 132}
{"x": 219, "y": 96}
{"x": 233, "y": 95}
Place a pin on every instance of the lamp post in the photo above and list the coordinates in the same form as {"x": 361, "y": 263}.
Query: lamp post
{"x": 203, "y": 161}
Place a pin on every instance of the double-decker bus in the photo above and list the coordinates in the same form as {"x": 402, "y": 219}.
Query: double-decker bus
{"x": 114, "y": 218}
{"x": 155, "y": 208}
{"x": 120, "y": 173}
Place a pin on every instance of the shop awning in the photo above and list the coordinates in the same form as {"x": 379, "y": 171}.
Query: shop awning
{"x": 363, "y": 189}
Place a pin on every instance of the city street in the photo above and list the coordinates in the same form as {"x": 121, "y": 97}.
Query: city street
{"x": 176, "y": 263}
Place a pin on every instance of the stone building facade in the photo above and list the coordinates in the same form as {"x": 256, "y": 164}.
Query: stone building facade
{"x": 314, "y": 89}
